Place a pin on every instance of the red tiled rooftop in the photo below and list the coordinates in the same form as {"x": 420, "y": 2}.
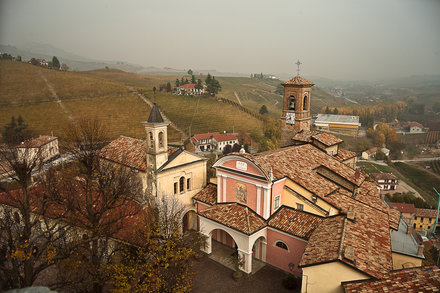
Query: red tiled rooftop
{"x": 383, "y": 176}
{"x": 403, "y": 207}
{"x": 235, "y": 216}
{"x": 129, "y": 151}
{"x": 327, "y": 139}
{"x": 218, "y": 136}
{"x": 298, "y": 80}
{"x": 414, "y": 124}
{"x": 304, "y": 135}
{"x": 37, "y": 142}
{"x": 294, "y": 222}
{"x": 207, "y": 195}
{"x": 368, "y": 235}
{"x": 420, "y": 279}
{"x": 187, "y": 86}
{"x": 343, "y": 155}
{"x": 426, "y": 213}
{"x": 306, "y": 159}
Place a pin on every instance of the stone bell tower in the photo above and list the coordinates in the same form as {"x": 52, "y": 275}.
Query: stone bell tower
{"x": 157, "y": 146}
{"x": 296, "y": 108}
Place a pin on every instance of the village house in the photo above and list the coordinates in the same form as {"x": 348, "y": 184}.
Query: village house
{"x": 45, "y": 147}
{"x": 164, "y": 169}
{"x": 371, "y": 153}
{"x": 213, "y": 141}
{"x": 407, "y": 211}
{"x": 303, "y": 209}
{"x": 188, "y": 90}
{"x": 346, "y": 124}
{"x": 385, "y": 181}
{"x": 413, "y": 127}
{"x": 424, "y": 219}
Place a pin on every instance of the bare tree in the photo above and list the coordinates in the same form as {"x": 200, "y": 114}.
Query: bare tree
{"x": 32, "y": 238}
{"x": 101, "y": 196}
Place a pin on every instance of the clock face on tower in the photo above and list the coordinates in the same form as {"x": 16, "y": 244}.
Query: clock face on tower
{"x": 290, "y": 118}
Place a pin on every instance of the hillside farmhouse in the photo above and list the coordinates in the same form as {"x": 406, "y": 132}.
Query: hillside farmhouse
{"x": 44, "y": 146}
{"x": 213, "y": 141}
{"x": 163, "y": 169}
{"x": 188, "y": 90}
{"x": 304, "y": 208}
{"x": 414, "y": 127}
{"x": 385, "y": 181}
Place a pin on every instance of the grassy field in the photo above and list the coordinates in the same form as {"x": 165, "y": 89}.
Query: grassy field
{"x": 375, "y": 168}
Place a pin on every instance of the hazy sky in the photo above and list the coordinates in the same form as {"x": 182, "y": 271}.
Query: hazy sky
{"x": 344, "y": 39}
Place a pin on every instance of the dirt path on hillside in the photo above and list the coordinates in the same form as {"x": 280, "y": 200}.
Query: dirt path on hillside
{"x": 238, "y": 99}
{"x": 57, "y": 99}
{"x": 150, "y": 103}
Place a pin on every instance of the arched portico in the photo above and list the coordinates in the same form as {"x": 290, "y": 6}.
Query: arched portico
{"x": 243, "y": 242}
{"x": 189, "y": 219}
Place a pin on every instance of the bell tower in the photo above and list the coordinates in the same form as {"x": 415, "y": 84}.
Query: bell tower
{"x": 296, "y": 108}
{"x": 157, "y": 146}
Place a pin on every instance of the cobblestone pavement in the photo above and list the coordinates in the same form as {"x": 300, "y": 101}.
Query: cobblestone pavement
{"x": 211, "y": 276}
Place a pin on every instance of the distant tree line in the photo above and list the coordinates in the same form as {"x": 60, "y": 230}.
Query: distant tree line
{"x": 408, "y": 197}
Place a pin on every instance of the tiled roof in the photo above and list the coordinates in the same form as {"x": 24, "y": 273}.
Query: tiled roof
{"x": 218, "y": 136}
{"x": 235, "y": 216}
{"x": 426, "y": 213}
{"x": 129, "y": 151}
{"x": 413, "y": 124}
{"x": 403, "y": 207}
{"x": 343, "y": 155}
{"x": 304, "y": 135}
{"x": 155, "y": 116}
{"x": 367, "y": 236}
{"x": 187, "y": 86}
{"x": 37, "y": 142}
{"x": 420, "y": 279}
{"x": 383, "y": 176}
{"x": 294, "y": 222}
{"x": 298, "y": 80}
{"x": 207, "y": 195}
{"x": 306, "y": 159}
{"x": 327, "y": 138}
{"x": 371, "y": 151}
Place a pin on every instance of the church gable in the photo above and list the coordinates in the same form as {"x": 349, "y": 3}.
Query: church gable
{"x": 180, "y": 158}
{"x": 240, "y": 165}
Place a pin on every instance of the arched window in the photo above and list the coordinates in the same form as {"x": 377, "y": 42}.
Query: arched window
{"x": 306, "y": 103}
{"x": 281, "y": 244}
{"x": 151, "y": 139}
{"x": 181, "y": 184}
{"x": 291, "y": 103}
{"x": 161, "y": 139}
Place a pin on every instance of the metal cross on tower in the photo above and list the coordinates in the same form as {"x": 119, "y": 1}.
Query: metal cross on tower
{"x": 298, "y": 64}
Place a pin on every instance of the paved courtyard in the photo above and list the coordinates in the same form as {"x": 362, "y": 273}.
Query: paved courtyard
{"x": 211, "y": 276}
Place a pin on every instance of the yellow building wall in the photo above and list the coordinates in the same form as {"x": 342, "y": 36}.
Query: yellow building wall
{"x": 424, "y": 222}
{"x": 401, "y": 261}
{"x": 327, "y": 278}
{"x": 292, "y": 200}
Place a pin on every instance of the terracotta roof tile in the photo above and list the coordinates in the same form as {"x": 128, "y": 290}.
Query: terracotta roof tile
{"x": 383, "y": 176}
{"x": 343, "y": 155}
{"x": 235, "y": 216}
{"x": 298, "y": 80}
{"x": 426, "y": 213}
{"x": 37, "y": 142}
{"x": 327, "y": 138}
{"x": 420, "y": 279}
{"x": 207, "y": 195}
{"x": 294, "y": 222}
{"x": 414, "y": 123}
{"x": 218, "y": 136}
{"x": 129, "y": 151}
{"x": 187, "y": 86}
{"x": 306, "y": 159}
{"x": 304, "y": 135}
{"x": 403, "y": 207}
{"x": 368, "y": 235}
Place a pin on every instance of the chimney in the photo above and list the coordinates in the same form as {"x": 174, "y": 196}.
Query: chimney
{"x": 420, "y": 250}
{"x": 351, "y": 214}
{"x": 357, "y": 174}
{"x": 349, "y": 253}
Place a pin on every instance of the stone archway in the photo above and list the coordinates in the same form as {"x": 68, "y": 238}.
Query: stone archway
{"x": 189, "y": 221}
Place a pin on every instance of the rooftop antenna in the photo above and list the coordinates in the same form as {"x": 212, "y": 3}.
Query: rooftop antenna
{"x": 298, "y": 64}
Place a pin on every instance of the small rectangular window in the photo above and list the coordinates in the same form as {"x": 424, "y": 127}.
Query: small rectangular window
{"x": 175, "y": 187}
{"x": 277, "y": 202}
{"x": 188, "y": 182}
{"x": 300, "y": 207}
